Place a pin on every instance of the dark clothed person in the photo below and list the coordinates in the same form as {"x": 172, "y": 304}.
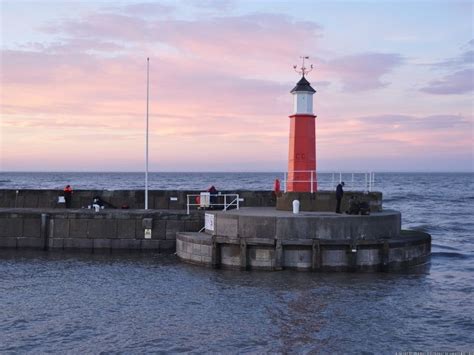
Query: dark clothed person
{"x": 339, "y": 195}
{"x": 68, "y": 195}
{"x": 213, "y": 191}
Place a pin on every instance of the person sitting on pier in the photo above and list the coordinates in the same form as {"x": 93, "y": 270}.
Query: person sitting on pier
{"x": 97, "y": 203}
{"x": 339, "y": 195}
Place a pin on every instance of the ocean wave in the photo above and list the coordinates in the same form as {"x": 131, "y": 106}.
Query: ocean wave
{"x": 450, "y": 255}
{"x": 443, "y": 247}
{"x": 424, "y": 228}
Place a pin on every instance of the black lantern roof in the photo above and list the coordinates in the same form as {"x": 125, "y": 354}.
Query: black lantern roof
{"x": 303, "y": 85}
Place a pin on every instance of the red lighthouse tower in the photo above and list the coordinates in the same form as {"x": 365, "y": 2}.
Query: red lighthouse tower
{"x": 302, "y": 148}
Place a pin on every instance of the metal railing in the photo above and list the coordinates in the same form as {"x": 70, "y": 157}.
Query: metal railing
{"x": 207, "y": 200}
{"x": 328, "y": 181}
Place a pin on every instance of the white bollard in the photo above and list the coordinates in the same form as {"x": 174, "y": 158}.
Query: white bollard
{"x": 296, "y": 206}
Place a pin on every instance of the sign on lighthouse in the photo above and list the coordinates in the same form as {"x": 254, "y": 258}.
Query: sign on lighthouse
{"x": 302, "y": 147}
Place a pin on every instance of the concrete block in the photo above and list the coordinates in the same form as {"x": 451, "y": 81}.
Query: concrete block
{"x": 78, "y": 228}
{"x": 196, "y": 249}
{"x": 139, "y": 231}
{"x": 227, "y": 226}
{"x": 11, "y": 227}
{"x": 32, "y": 227}
{"x": 261, "y": 262}
{"x": 36, "y": 243}
{"x": 295, "y": 228}
{"x": 230, "y": 255}
{"x": 147, "y": 223}
{"x": 368, "y": 257}
{"x": 126, "y": 229}
{"x": 196, "y": 258}
{"x": 261, "y": 254}
{"x": 102, "y": 243}
{"x": 257, "y": 227}
{"x": 159, "y": 229}
{"x": 206, "y": 250}
{"x": 60, "y": 228}
{"x": 110, "y": 228}
{"x": 8, "y": 242}
{"x": 97, "y": 228}
{"x": 78, "y": 243}
{"x": 160, "y": 202}
{"x": 193, "y": 226}
{"x": 297, "y": 258}
{"x": 31, "y": 201}
{"x": 56, "y": 243}
{"x": 335, "y": 258}
{"x": 172, "y": 227}
{"x": 147, "y": 244}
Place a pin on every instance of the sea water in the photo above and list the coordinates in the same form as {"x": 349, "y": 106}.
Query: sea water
{"x": 136, "y": 303}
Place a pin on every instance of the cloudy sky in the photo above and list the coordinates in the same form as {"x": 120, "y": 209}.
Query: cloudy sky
{"x": 394, "y": 84}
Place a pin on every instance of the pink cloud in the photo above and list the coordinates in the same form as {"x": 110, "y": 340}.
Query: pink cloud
{"x": 219, "y": 94}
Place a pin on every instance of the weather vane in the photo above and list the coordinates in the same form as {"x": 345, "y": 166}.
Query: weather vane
{"x": 303, "y": 70}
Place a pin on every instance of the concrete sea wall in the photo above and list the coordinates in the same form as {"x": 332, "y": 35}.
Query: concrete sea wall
{"x": 410, "y": 248}
{"x": 268, "y": 223}
{"x": 134, "y": 199}
{"x": 85, "y": 229}
{"x": 176, "y": 199}
{"x": 323, "y": 201}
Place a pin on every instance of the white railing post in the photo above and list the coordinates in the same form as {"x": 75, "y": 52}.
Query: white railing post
{"x": 373, "y": 180}
{"x": 238, "y": 201}
{"x": 187, "y": 204}
{"x": 225, "y": 202}
{"x": 312, "y": 181}
{"x": 340, "y": 177}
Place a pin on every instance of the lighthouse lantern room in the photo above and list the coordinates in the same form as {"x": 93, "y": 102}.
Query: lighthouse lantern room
{"x": 302, "y": 144}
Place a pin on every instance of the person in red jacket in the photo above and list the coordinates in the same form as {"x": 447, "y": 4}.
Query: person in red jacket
{"x": 68, "y": 195}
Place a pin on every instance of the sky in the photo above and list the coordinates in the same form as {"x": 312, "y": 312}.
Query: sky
{"x": 394, "y": 84}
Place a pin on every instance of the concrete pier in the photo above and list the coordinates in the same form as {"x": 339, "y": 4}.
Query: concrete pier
{"x": 263, "y": 234}
{"x": 265, "y": 238}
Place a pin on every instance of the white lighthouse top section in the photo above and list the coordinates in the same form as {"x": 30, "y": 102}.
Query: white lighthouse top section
{"x": 303, "y": 97}
{"x": 303, "y": 103}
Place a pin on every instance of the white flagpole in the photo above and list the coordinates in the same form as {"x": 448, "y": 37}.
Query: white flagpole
{"x": 146, "y": 144}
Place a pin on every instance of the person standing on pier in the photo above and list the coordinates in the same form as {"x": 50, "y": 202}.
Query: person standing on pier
{"x": 339, "y": 195}
{"x": 68, "y": 195}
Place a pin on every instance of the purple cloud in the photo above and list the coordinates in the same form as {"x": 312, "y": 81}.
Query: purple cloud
{"x": 361, "y": 72}
{"x": 460, "y": 82}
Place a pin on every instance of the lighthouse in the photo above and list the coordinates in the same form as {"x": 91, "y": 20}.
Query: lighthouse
{"x": 302, "y": 145}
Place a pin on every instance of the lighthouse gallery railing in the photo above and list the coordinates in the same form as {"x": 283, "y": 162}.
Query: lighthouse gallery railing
{"x": 352, "y": 181}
